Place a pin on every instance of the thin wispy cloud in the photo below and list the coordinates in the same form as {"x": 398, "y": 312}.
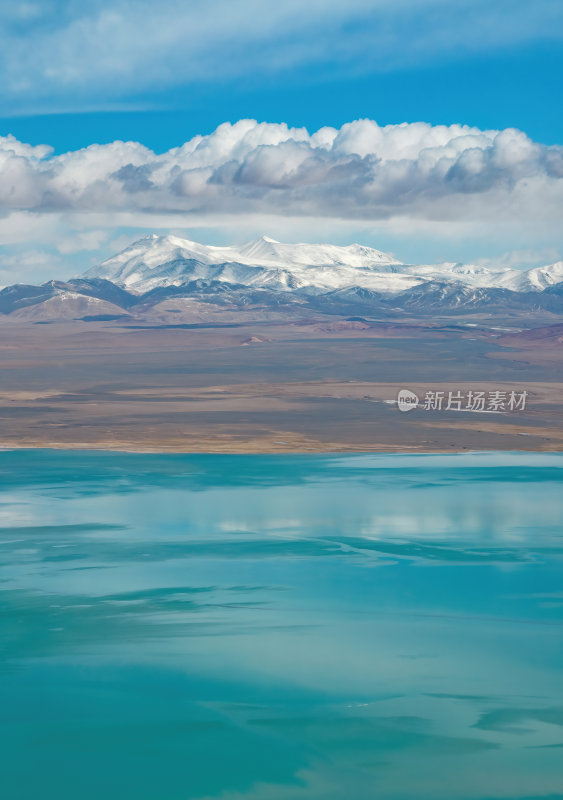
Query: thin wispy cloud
{"x": 64, "y": 55}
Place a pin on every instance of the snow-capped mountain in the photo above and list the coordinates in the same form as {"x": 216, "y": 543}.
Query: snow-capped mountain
{"x": 264, "y": 263}
{"x": 159, "y": 261}
{"x": 161, "y": 277}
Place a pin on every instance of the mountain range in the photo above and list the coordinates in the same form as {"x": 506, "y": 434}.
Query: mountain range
{"x": 168, "y": 275}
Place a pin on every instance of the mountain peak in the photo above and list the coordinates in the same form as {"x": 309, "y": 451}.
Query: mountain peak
{"x": 158, "y": 261}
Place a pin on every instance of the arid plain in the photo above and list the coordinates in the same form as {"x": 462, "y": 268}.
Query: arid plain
{"x": 244, "y": 383}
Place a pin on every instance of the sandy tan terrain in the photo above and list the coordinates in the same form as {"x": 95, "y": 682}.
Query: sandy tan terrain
{"x": 273, "y": 386}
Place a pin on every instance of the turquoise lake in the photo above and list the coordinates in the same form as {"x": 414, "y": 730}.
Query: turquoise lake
{"x": 178, "y": 627}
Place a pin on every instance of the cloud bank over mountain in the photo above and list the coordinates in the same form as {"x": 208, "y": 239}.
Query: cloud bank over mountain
{"x": 361, "y": 171}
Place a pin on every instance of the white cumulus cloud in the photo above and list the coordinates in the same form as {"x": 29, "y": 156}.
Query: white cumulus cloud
{"x": 361, "y": 171}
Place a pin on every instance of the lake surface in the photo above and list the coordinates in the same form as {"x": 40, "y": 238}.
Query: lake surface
{"x": 281, "y": 628}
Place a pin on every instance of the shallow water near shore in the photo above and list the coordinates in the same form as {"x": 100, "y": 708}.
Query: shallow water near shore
{"x": 190, "y": 627}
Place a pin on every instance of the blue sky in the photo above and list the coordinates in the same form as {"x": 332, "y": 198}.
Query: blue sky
{"x": 511, "y": 87}
{"x": 73, "y": 75}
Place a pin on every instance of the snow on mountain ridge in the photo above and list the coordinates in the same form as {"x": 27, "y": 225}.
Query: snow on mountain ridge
{"x": 266, "y": 251}
{"x": 309, "y": 268}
